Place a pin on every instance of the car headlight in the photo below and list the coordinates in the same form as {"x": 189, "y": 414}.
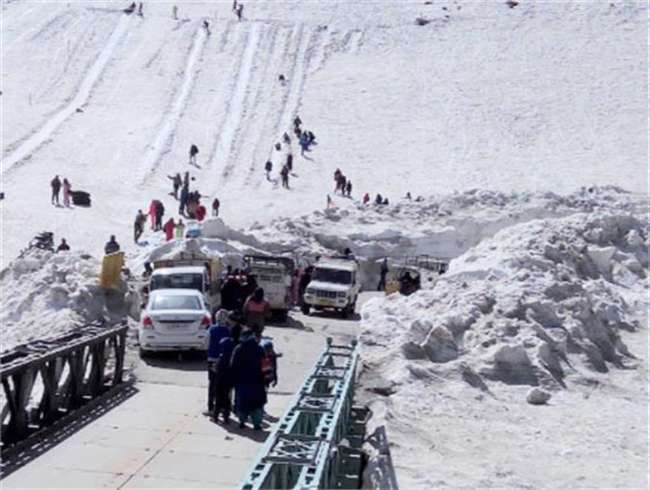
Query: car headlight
{"x": 342, "y": 294}
{"x": 311, "y": 291}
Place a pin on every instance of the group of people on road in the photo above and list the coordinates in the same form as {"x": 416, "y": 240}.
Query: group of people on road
{"x": 56, "y": 186}
{"x": 240, "y": 358}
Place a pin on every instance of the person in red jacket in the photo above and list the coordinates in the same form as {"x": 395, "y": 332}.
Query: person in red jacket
{"x": 152, "y": 214}
{"x": 366, "y": 198}
{"x": 169, "y": 229}
{"x": 200, "y": 212}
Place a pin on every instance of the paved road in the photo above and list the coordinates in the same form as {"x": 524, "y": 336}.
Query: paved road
{"x": 158, "y": 437}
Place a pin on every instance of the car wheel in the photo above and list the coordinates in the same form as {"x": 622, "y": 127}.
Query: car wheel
{"x": 143, "y": 353}
{"x": 305, "y": 309}
{"x": 283, "y": 315}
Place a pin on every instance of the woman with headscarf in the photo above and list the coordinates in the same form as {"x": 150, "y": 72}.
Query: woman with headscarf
{"x": 246, "y": 369}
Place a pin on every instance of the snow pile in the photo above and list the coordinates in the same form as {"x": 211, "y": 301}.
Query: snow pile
{"x": 441, "y": 225}
{"x": 46, "y": 294}
{"x": 544, "y": 304}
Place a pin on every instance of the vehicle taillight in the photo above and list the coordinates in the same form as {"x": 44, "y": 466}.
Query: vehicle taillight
{"x": 147, "y": 322}
{"x": 205, "y": 322}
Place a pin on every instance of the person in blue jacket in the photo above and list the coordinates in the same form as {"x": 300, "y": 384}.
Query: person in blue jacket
{"x": 224, "y": 379}
{"x": 246, "y": 369}
{"x": 219, "y": 330}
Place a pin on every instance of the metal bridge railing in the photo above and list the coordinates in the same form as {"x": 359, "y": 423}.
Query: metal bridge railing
{"x": 46, "y": 379}
{"x": 308, "y": 448}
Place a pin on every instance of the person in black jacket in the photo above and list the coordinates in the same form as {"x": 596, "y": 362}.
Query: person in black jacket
{"x": 160, "y": 212}
{"x": 63, "y": 246}
{"x": 111, "y": 246}
{"x": 246, "y": 369}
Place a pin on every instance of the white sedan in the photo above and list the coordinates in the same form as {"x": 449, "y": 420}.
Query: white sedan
{"x": 174, "y": 319}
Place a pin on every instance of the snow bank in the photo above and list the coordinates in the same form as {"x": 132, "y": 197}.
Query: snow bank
{"x": 446, "y": 225}
{"x": 46, "y": 294}
{"x": 544, "y": 304}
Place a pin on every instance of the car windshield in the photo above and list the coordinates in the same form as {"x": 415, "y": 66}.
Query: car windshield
{"x": 332, "y": 275}
{"x": 175, "y": 303}
{"x": 177, "y": 281}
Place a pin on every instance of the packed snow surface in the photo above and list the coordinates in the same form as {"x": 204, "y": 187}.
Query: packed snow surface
{"x": 546, "y": 95}
{"x": 559, "y": 304}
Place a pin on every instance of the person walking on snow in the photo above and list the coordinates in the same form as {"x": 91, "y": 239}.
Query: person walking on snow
{"x": 160, "y": 212}
{"x": 67, "y": 189}
{"x": 215, "y": 207}
{"x": 56, "y": 188}
{"x": 193, "y": 152}
{"x": 329, "y": 201}
{"x": 206, "y": 26}
{"x": 234, "y": 5}
{"x": 297, "y": 122}
{"x": 152, "y": 214}
{"x": 366, "y": 198}
{"x": 284, "y": 173}
{"x": 348, "y": 188}
{"x": 175, "y": 12}
{"x": 169, "y": 229}
{"x": 185, "y": 194}
{"x": 240, "y": 11}
{"x": 176, "y": 182}
{"x": 290, "y": 161}
{"x": 140, "y": 10}
{"x": 304, "y": 143}
{"x": 267, "y": 168}
{"x": 138, "y": 225}
{"x": 286, "y": 139}
{"x": 180, "y": 229}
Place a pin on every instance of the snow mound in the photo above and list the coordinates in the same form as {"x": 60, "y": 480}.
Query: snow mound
{"x": 446, "y": 225}
{"x": 539, "y": 302}
{"x": 464, "y": 372}
{"x": 46, "y": 294}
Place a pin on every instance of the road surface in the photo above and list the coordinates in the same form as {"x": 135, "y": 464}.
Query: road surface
{"x": 158, "y": 436}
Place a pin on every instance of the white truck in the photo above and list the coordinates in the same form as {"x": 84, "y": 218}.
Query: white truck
{"x": 189, "y": 271}
{"x": 334, "y": 285}
{"x": 273, "y": 274}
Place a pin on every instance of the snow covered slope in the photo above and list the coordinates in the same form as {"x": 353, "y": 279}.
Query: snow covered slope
{"x": 542, "y": 96}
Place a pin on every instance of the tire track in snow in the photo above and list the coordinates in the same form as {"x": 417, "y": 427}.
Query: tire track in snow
{"x": 291, "y": 102}
{"x": 266, "y": 134}
{"x": 41, "y": 136}
{"x": 236, "y": 106}
{"x": 234, "y": 67}
{"x": 260, "y": 89}
{"x": 165, "y": 136}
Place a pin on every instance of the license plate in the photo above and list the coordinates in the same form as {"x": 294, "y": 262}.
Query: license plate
{"x": 324, "y": 302}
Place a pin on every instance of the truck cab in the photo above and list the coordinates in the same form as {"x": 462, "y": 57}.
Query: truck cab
{"x": 334, "y": 285}
{"x": 273, "y": 274}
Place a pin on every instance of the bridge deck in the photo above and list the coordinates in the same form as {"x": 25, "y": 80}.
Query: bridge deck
{"x": 158, "y": 438}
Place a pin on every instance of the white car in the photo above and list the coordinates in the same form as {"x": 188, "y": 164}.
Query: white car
{"x": 174, "y": 319}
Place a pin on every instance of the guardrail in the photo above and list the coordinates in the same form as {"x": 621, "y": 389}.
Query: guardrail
{"x": 46, "y": 379}
{"x": 316, "y": 442}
